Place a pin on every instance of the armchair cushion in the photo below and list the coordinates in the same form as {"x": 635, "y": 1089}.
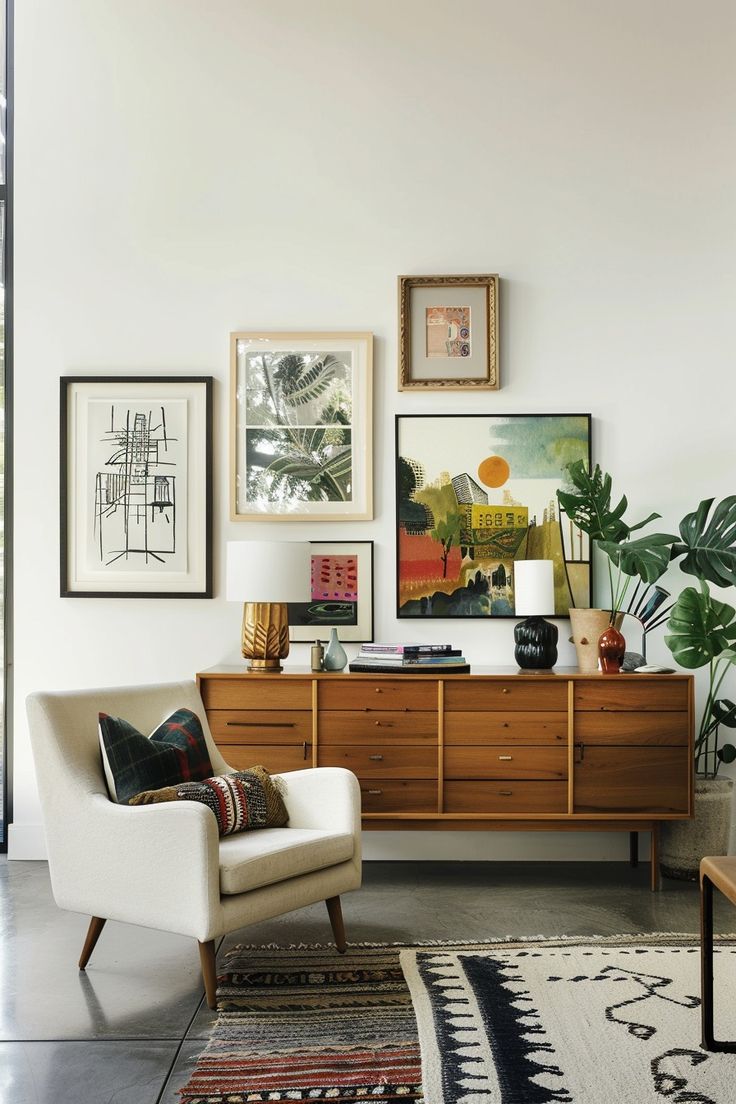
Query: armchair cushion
{"x": 240, "y": 801}
{"x": 274, "y": 855}
{"x": 175, "y": 752}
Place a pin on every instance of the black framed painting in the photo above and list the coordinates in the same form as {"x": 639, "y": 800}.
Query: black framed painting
{"x": 475, "y": 493}
{"x": 136, "y": 486}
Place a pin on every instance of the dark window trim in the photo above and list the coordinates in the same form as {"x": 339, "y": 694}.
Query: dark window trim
{"x": 7, "y": 190}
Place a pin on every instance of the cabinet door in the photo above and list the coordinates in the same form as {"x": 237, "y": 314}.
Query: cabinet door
{"x": 632, "y": 780}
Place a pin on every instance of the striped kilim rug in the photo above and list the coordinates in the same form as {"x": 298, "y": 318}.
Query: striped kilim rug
{"x": 600, "y": 1021}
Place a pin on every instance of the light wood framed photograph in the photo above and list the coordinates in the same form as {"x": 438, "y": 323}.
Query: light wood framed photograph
{"x": 136, "y": 486}
{"x": 448, "y": 333}
{"x": 301, "y": 426}
{"x": 341, "y": 593}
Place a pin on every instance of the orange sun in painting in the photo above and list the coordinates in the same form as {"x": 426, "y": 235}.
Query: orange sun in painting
{"x": 493, "y": 471}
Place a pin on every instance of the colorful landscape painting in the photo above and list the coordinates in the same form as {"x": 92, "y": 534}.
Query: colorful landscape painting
{"x": 476, "y": 493}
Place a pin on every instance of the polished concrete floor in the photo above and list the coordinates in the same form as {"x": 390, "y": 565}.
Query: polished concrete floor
{"x": 129, "y": 1029}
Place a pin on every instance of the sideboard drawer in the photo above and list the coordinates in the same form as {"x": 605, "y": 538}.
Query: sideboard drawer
{"x": 399, "y": 693}
{"x": 633, "y": 780}
{"x": 507, "y": 694}
{"x": 384, "y": 760}
{"x": 396, "y": 796}
{"x": 631, "y": 727}
{"x": 505, "y": 797}
{"x": 626, "y": 692}
{"x": 274, "y": 692}
{"x": 497, "y": 728}
{"x": 506, "y": 762}
{"x": 339, "y": 726}
{"x": 262, "y": 726}
{"x": 276, "y": 758}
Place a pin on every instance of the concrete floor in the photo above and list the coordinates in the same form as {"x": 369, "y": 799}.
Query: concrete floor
{"x": 130, "y": 1028}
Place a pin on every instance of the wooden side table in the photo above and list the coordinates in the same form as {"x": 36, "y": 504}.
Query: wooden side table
{"x": 721, "y": 873}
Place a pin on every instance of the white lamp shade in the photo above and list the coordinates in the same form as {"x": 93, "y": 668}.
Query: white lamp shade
{"x": 268, "y": 571}
{"x": 534, "y": 588}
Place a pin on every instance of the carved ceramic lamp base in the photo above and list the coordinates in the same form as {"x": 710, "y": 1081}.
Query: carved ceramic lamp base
{"x": 265, "y": 635}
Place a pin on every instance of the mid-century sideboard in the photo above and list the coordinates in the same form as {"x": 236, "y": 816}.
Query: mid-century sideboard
{"x": 495, "y": 749}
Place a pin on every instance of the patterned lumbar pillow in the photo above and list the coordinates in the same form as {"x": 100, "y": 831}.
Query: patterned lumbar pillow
{"x": 175, "y": 752}
{"x": 240, "y": 801}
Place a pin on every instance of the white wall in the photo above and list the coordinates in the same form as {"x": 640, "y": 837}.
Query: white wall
{"x": 186, "y": 169}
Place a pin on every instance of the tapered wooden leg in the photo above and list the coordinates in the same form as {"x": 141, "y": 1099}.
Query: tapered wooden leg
{"x": 338, "y": 928}
{"x": 209, "y": 971}
{"x": 633, "y": 848}
{"x": 654, "y": 858}
{"x": 96, "y": 925}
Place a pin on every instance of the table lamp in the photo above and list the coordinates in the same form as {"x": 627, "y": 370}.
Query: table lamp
{"x": 534, "y": 598}
{"x": 265, "y": 575}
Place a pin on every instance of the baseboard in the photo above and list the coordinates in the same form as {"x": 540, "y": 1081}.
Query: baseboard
{"x": 26, "y": 841}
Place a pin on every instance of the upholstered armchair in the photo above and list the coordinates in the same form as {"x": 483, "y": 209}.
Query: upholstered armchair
{"x": 164, "y": 866}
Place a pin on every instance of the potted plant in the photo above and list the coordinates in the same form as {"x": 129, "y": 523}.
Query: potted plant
{"x": 589, "y": 506}
{"x": 702, "y": 633}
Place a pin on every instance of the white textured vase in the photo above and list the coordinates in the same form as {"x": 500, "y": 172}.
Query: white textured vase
{"x": 587, "y": 626}
{"x": 685, "y": 842}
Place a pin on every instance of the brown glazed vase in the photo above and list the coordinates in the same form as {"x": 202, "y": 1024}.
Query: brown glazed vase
{"x": 611, "y": 650}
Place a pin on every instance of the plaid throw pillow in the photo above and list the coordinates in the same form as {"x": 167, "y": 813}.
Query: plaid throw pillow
{"x": 240, "y": 801}
{"x": 175, "y": 752}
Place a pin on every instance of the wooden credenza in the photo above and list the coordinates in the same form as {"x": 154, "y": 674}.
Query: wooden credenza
{"x": 495, "y": 749}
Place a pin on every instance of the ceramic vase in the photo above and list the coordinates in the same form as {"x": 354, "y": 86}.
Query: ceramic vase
{"x": 335, "y": 655}
{"x": 587, "y": 626}
{"x": 611, "y": 650}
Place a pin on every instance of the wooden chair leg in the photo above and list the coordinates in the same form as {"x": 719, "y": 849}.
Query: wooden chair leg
{"x": 209, "y": 971}
{"x": 334, "y": 909}
{"x": 96, "y": 925}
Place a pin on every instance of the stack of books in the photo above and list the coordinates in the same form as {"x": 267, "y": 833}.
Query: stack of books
{"x": 411, "y": 659}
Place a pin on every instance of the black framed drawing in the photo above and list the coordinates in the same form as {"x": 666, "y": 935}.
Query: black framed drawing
{"x": 474, "y": 494}
{"x": 342, "y": 593}
{"x": 136, "y": 486}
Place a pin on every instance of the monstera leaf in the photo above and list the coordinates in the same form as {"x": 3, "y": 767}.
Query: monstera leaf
{"x": 701, "y": 629}
{"x": 591, "y": 510}
{"x": 647, "y": 557}
{"x": 710, "y": 548}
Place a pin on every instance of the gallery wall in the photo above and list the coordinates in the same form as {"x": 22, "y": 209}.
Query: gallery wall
{"x": 184, "y": 170}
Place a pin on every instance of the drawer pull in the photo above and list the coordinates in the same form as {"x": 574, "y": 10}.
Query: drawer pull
{"x": 506, "y": 793}
{"x": 504, "y": 724}
{"x": 505, "y": 690}
{"x": 582, "y": 752}
{"x": 506, "y": 758}
{"x": 376, "y": 793}
{"x": 260, "y": 724}
{"x": 304, "y": 749}
{"x": 376, "y": 758}
{"x": 384, "y": 724}
{"x": 378, "y": 690}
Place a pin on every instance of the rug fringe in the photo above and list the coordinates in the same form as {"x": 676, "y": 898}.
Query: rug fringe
{"x": 240, "y": 948}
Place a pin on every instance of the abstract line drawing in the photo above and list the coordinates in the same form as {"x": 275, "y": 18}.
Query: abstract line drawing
{"x": 136, "y": 486}
{"x": 135, "y": 493}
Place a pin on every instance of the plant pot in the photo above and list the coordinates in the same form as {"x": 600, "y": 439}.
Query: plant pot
{"x": 685, "y": 842}
{"x": 587, "y": 626}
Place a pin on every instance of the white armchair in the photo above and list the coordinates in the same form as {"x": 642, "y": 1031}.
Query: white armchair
{"x": 164, "y": 866}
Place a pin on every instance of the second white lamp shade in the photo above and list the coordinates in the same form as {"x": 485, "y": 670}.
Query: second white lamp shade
{"x": 268, "y": 571}
{"x": 534, "y": 588}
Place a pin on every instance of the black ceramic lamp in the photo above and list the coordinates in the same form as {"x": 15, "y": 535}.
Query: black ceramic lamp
{"x": 534, "y": 598}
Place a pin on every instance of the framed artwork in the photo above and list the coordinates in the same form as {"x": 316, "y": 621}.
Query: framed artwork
{"x": 136, "y": 487}
{"x": 301, "y": 426}
{"x": 342, "y": 593}
{"x": 475, "y": 493}
{"x": 448, "y": 333}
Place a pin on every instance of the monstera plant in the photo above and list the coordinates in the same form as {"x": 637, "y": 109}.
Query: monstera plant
{"x": 702, "y": 629}
{"x": 590, "y": 507}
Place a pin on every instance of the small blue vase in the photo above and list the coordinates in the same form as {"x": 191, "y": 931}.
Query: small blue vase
{"x": 335, "y": 655}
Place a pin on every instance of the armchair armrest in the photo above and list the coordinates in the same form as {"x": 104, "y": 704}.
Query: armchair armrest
{"x": 155, "y": 865}
{"x": 324, "y": 797}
